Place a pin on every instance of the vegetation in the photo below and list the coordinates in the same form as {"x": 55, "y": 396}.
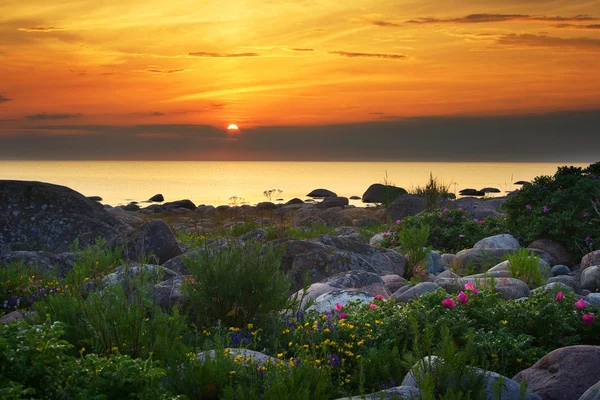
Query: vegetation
{"x": 433, "y": 191}
{"x": 526, "y": 266}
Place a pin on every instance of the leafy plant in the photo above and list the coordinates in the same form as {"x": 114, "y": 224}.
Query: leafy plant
{"x": 414, "y": 241}
{"x": 525, "y": 266}
{"x": 433, "y": 191}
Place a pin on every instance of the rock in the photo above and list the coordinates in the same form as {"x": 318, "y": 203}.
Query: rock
{"x": 295, "y": 200}
{"x": 330, "y": 202}
{"x": 187, "y": 204}
{"x": 407, "y": 293}
{"x": 559, "y": 270}
{"x": 477, "y": 208}
{"x": 592, "y": 393}
{"x": 207, "y": 211}
{"x": 378, "y": 193}
{"x": 564, "y": 373}
{"x": 393, "y": 282}
{"x": 472, "y": 192}
{"x": 354, "y": 197}
{"x": 334, "y": 217}
{"x": 435, "y": 264}
{"x": 590, "y": 259}
{"x": 448, "y": 259}
{"x": 41, "y": 261}
{"x": 12, "y": 316}
{"x": 345, "y": 230}
{"x": 320, "y": 193}
{"x": 570, "y": 281}
{"x": 223, "y": 207}
{"x": 131, "y": 207}
{"x": 448, "y": 274}
{"x": 395, "y": 393}
{"x": 168, "y": 294}
{"x": 554, "y": 287}
{"x": 154, "y": 238}
{"x": 42, "y": 216}
{"x": 95, "y": 198}
{"x": 505, "y": 241}
{"x": 327, "y": 301}
{"x": 265, "y": 206}
{"x": 367, "y": 222}
{"x": 406, "y": 205}
{"x": 375, "y": 240}
{"x": 593, "y": 299}
{"x": 157, "y": 198}
{"x": 590, "y": 278}
{"x": 255, "y": 234}
{"x": 256, "y": 358}
{"x": 508, "y": 288}
{"x": 328, "y": 255}
{"x": 555, "y": 249}
{"x": 155, "y": 273}
{"x": 510, "y": 388}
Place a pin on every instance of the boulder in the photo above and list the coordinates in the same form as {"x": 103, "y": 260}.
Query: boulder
{"x": 330, "y": 202}
{"x": 188, "y": 204}
{"x": 395, "y": 393}
{"x": 168, "y": 294}
{"x": 508, "y": 288}
{"x": 510, "y": 388}
{"x": 95, "y": 198}
{"x": 42, "y": 216}
{"x": 567, "y": 280}
{"x": 255, "y": 234}
{"x": 328, "y": 255}
{"x": 559, "y": 270}
{"x": 334, "y": 217}
{"x": 593, "y": 299}
{"x": 448, "y": 258}
{"x": 265, "y": 206}
{"x": 131, "y": 207}
{"x": 590, "y": 259}
{"x": 590, "y": 278}
{"x": 41, "y": 261}
{"x": 435, "y": 264}
{"x": 354, "y": 197}
{"x": 393, "y": 282}
{"x": 378, "y": 193}
{"x": 327, "y": 301}
{"x": 555, "y": 249}
{"x": 366, "y": 222}
{"x": 406, "y": 205}
{"x": 207, "y": 211}
{"x": 155, "y": 238}
{"x": 505, "y": 241}
{"x": 481, "y": 259}
{"x": 295, "y": 200}
{"x": 12, "y": 316}
{"x": 320, "y": 193}
{"x": 563, "y": 374}
{"x": 377, "y": 239}
{"x": 158, "y": 198}
{"x": 477, "y": 208}
{"x": 592, "y": 393}
{"x": 256, "y": 358}
{"x": 407, "y": 293}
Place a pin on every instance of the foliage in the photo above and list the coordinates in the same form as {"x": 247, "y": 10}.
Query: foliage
{"x": 451, "y": 230}
{"x": 269, "y": 193}
{"x": 22, "y": 285}
{"x": 559, "y": 208}
{"x": 413, "y": 241}
{"x": 525, "y": 266}
{"x": 236, "y": 285}
{"x": 433, "y": 191}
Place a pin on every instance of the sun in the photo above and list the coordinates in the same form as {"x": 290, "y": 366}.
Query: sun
{"x": 232, "y": 127}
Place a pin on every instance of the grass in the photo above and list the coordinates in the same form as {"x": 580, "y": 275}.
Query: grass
{"x": 433, "y": 191}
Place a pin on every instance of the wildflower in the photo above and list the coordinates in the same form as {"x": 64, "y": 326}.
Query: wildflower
{"x": 393, "y": 241}
{"x": 279, "y": 355}
{"x": 528, "y": 207}
{"x": 475, "y": 220}
{"x": 379, "y": 297}
{"x": 342, "y": 315}
{"x": 445, "y": 210}
{"x": 338, "y": 307}
{"x": 504, "y": 322}
{"x": 231, "y": 372}
{"x": 448, "y": 303}
{"x": 373, "y": 306}
{"x": 461, "y": 236}
{"x": 297, "y": 361}
{"x": 398, "y": 221}
{"x": 462, "y": 297}
{"x": 463, "y": 217}
{"x": 545, "y": 209}
{"x": 560, "y": 296}
{"x": 588, "y": 319}
{"x": 580, "y": 305}
{"x": 334, "y": 360}
{"x": 586, "y": 214}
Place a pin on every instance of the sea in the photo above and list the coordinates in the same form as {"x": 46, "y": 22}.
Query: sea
{"x": 241, "y": 182}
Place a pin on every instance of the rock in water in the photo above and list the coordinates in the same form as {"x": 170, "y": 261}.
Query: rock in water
{"x": 378, "y": 193}
{"x": 159, "y": 198}
{"x": 42, "y": 216}
{"x": 319, "y": 193}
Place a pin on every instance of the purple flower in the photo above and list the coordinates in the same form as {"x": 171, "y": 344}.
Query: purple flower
{"x": 586, "y": 214}
{"x": 475, "y": 220}
{"x": 545, "y": 209}
{"x": 445, "y": 210}
{"x": 342, "y": 315}
{"x": 463, "y": 217}
{"x": 461, "y": 236}
{"x": 297, "y": 361}
{"x": 334, "y": 360}
{"x": 528, "y": 207}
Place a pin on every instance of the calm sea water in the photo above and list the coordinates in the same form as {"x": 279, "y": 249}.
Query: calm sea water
{"x": 210, "y": 182}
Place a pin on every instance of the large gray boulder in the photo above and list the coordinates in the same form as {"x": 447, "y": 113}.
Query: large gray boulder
{"x": 590, "y": 278}
{"x": 505, "y": 242}
{"x": 327, "y": 255}
{"x": 590, "y": 259}
{"x": 41, "y": 261}
{"x": 483, "y": 259}
{"x": 378, "y": 193}
{"x": 42, "y": 216}
{"x": 478, "y": 208}
{"x": 154, "y": 239}
{"x": 508, "y": 288}
{"x": 555, "y": 249}
{"x": 408, "y": 293}
{"x": 328, "y": 301}
{"x": 406, "y": 205}
{"x": 564, "y": 373}
{"x": 592, "y": 393}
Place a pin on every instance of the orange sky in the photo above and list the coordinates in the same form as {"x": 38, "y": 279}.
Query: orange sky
{"x": 296, "y": 62}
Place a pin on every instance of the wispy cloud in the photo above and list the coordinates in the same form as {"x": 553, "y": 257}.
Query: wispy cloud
{"x": 575, "y": 26}
{"x": 374, "y": 19}
{"x": 41, "y": 29}
{"x": 44, "y": 116}
{"x": 165, "y": 71}
{"x": 370, "y": 55}
{"x": 4, "y": 99}
{"x": 514, "y": 40}
{"x": 298, "y": 49}
{"x": 484, "y": 18}
{"x": 204, "y": 54}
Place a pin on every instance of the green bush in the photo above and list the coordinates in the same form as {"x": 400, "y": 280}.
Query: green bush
{"x": 235, "y": 284}
{"x": 525, "y": 265}
{"x": 413, "y": 241}
{"x": 559, "y": 208}
{"x": 433, "y": 191}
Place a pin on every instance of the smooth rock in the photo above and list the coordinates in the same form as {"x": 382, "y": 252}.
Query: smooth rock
{"x": 396, "y": 393}
{"x": 327, "y": 301}
{"x": 559, "y": 270}
{"x": 407, "y": 293}
{"x": 154, "y": 239}
{"x": 478, "y": 208}
{"x": 256, "y": 358}
{"x": 12, "y": 316}
{"x": 188, "y": 204}
{"x": 393, "y": 282}
{"x": 593, "y": 299}
{"x": 295, "y": 200}
{"x": 590, "y": 259}
{"x": 319, "y": 193}
{"x": 555, "y": 249}
{"x": 505, "y": 241}
{"x": 266, "y": 206}
{"x": 592, "y": 393}
{"x": 158, "y": 198}
{"x": 406, "y": 205}
{"x": 330, "y": 202}
{"x": 378, "y": 193}
{"x": 590, "y": 278}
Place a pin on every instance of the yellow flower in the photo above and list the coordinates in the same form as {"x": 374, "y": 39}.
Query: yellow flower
{"x": 504, "y": 322}
{"x": 494, "y": 355}
{"x": 327, "y": 330}
{"x": 250, "y": 326}
{"x": 367, "y": 325}
{"x": 280, "y": 355}
{"x": 290, "y": 344}
{"x": 519, "y": 360}
{"x": 231, "y": 372}
{"x": 318, "y": 361}
{"x": 360, "y": 343}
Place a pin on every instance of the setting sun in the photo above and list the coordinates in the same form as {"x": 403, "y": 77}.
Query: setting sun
{"x": 232, "y": 127}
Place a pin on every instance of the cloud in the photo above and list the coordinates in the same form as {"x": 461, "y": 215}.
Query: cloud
{"x": 44, "y": 116}
{"x": 4, "y": 99}
{"x": 370, "y": 55}
{"x": 527, "y": 40}
{"x": 41, "y": 29}
{"x": 485, "y": 18}
{"x": 204, "y": 54}
{"x": 299, "y": 49}
{"x": 574, "y": 26}
{"x": 165, "y": 71}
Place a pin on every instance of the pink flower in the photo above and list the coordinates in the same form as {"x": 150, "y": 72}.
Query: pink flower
{"x": 398, "y": 221}
{"x": 379, "y": 297}
{"x": 528, "y": 207}
{"x": 338, "y": 307}
{"x": 448, "y": 303}
{"x": 342, "y": 315}
{"x": 463, "y": 217}
{"x": 580, "y": 304}
{"x": 545, "y": 209}
{"x": 461, "y": 236}
{"x": 586, "y": 214}
{"x": 446, "y": 210}
{"x": 475, "y": 220}
{"x": 588, "y": 319}
{"x": 560, "y": 296}
{"x": 393, "y": 241}
{"x": 373, "y": 306}
{"x": 462, "y": 297}
{"x": 469, "y": 286}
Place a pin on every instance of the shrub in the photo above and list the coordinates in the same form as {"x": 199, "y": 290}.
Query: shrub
{"x": 433, "y": 191}
{"x": 413, "y": 241}
{"x": 21, "y": 285}
{"x": 525, "y": 266}
{"x": 559, "y": 208}
{"x": 235, "y": 284}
